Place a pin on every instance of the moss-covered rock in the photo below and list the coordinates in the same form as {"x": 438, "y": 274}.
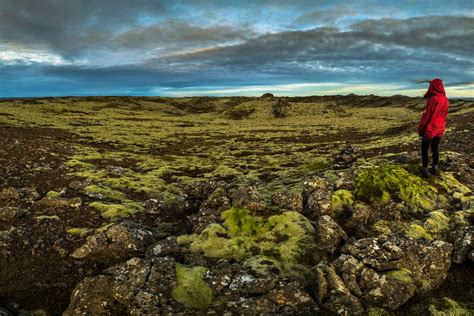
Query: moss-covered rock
{"x": 341, "y": 198}
{"x": 192, "y": 290}
{"x": 447, "y": 306}
{"x": 402, "y": 275}
{"x": 381, "y": 184}
{"x": 286, "y": 239}
{"x": 417, "y": 232}
{"x": 437, "y": 223}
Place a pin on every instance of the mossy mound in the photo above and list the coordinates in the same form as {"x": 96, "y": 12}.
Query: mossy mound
{"x": 380, "y": 185}
{"x": 340, "y": 198}
{"x": 192, "y": 291}
{"x": 286, "y": 240}
{"x": 111, "y": 211}
{"x": 447, "y": 306}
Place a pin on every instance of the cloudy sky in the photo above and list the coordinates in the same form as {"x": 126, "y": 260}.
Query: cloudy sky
{"x": 178, "y": 48}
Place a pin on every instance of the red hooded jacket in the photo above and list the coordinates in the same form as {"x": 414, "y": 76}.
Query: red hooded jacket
{"x": 433, "y": 120}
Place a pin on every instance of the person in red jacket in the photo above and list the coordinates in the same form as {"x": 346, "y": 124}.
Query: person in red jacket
{"x": 432, "y": 124}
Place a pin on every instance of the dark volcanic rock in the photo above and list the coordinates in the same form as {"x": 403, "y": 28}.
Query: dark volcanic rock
{"x": 120, "y": 241}
{"x": 346, "y": 157}
{"x": 388, "y": 272}
{"x": 136, "y": 287}
{"x": 329, "y": 235}
{"x": 316, "y": 198}
{"x": 464, "y": 246}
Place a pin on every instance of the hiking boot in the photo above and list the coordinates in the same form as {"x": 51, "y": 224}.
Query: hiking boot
{"x": 434, "y": 171}
{"x": 424, "y": 173}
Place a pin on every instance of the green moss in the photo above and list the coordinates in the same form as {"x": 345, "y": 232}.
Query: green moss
{"x": 117, "y": 210}
{"x": 103, "y": 228}
{"x": 437, "y": 223}
{"x": 382, "y": 227}
{"x": 78, "y": 231}
{"x": 378, "y": 311}
{"x": 53, "y": 194}
{"x": 403, "y": 275}
{"x": 104, "y": 191}
{"x": 46, "y": 217}
{"x": 286, "y": 239}
{"x": 191, "y": 290}
{"x": 417, "y": 232}
{"x": 318, "y": 164}
{"x": 341, "y": 198}
{"x": 449, "y": 307}
{"x": 380, "y": 184}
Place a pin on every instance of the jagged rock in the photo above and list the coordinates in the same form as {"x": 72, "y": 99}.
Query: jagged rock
{"x": 329, "y": 235}
{"x": 248, "y": 283}
{"x": 332, "y": 294}
{"x": 60, "y": 202}
{"x": 9, "y": 196}
{"x": 317, "y": 194}
{"x": 345, "y": 180}
{"x": 120, "y": 241}
{"x": 211, "y": 209}
{"x": 346, "y": 157}
{"x": 463, "y": 246}
{"x": 355, "y": 224}
{"x": 290, "y": 201}
{"x": 249, "y": 198}
{"x": 136, "y": 287}
{"x": 8, "y": 213}
{"x": 388, "y": 272}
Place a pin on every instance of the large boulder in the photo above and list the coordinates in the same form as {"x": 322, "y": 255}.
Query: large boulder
{"x": 118, "y": 242}
{"x": 332, "y": 294}
{"x": 388, "y": 272}
{"x": 136, "y": 287}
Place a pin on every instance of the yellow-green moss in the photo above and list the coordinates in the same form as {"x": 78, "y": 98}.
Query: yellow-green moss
{"x": 437, "y": 223}
{"x": 382, "y": 227}
{"x": 106, "y": 192}
{"x": 53, "y": 194}
{"x": 378, "y": 311}
{"x": 117, "y": 210}
{"x": 341, "y": 198}
{"x": 417, "y": 232}
{"x": 378, "y": 185}
{"x": 47, "y": 217}
{"x": 403, "y": 275}
{"x": 287, "y": 238}
{"x": 78, "y": 231}
{"x": 103, "y": 228}
{"x": 449, "y": 307}
{"x": 319, "y": 163}
{"x": 191, "y": 290}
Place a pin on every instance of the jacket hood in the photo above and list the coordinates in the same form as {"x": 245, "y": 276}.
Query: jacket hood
{"x": 436, "y": 88}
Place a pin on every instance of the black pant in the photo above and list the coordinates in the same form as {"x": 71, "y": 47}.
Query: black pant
{"x": 425, "y": 146}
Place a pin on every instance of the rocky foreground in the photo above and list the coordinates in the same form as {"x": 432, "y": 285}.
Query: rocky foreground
{"x": 364, "y": 236}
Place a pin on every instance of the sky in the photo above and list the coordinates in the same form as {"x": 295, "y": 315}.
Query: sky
{"x": 237, "y": 47}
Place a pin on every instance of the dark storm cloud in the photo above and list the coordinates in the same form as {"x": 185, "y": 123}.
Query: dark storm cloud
{"x": 381, "y": 49}
{"x": 67, "y": 26}
{"x": 134, "y": 46}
